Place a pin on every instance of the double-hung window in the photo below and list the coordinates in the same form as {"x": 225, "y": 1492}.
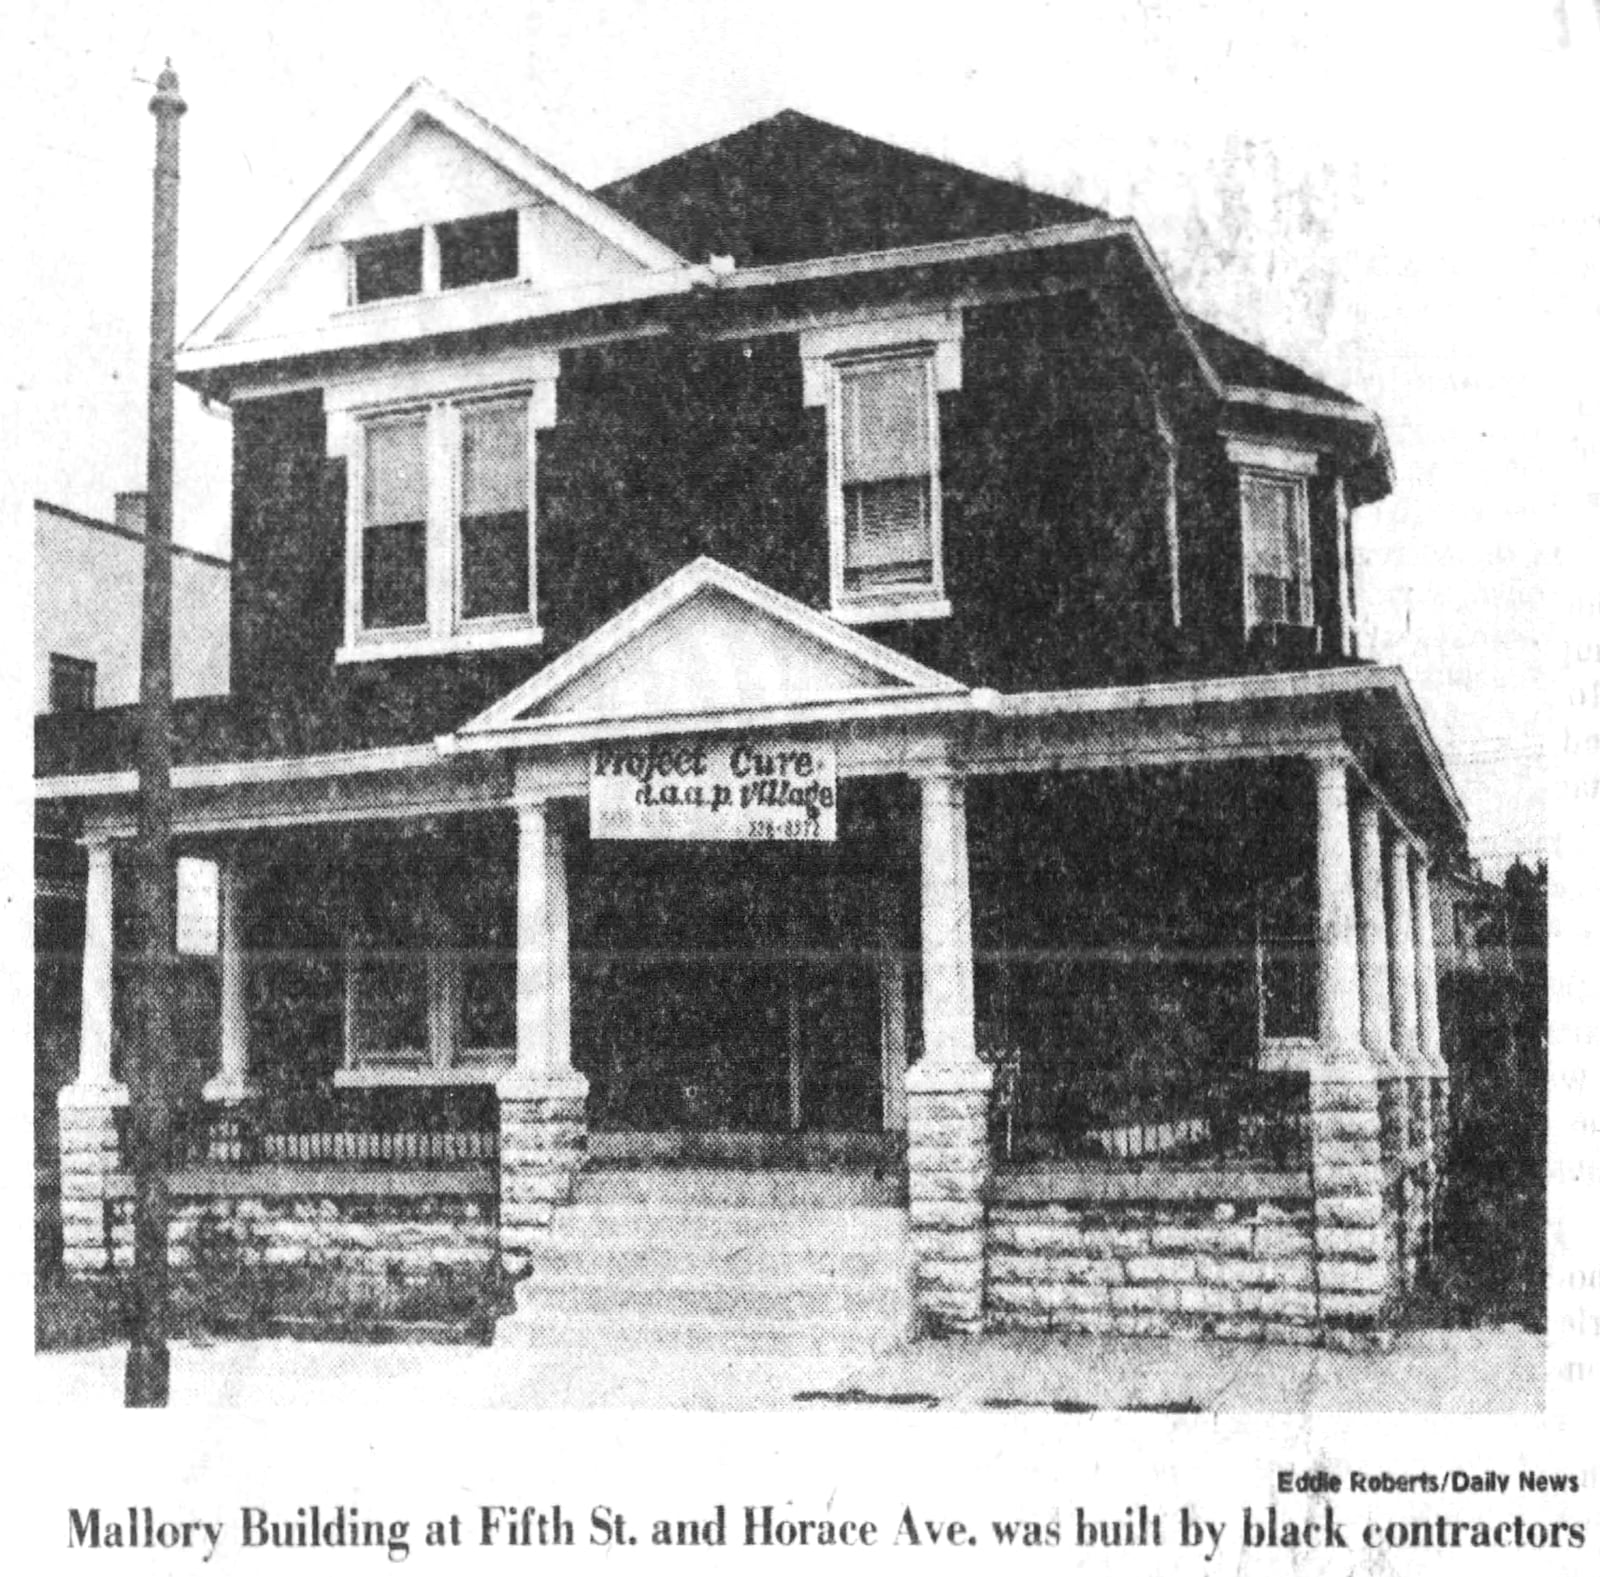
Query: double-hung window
{"x": 494, "y": 544}
{"x": 888, "y": 474}
{"x": 1275, "y": 519}
{"x": 442, "y": 522}
{"x": 879, "y": 380}
{"x": 394, "y": 525}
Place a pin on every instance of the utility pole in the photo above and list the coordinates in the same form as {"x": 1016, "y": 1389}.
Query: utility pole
{"x": 152, "y": 1081}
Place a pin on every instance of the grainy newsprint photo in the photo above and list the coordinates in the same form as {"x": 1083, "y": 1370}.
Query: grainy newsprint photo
{"x": 875, "y": 757}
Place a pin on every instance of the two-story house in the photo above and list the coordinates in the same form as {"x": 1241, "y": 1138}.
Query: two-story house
{"x": 797, "y": 709}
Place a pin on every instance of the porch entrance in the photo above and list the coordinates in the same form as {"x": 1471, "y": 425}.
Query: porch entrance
{"x": 737, "y": 1002}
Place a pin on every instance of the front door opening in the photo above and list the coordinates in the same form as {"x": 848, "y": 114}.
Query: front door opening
{"x": 732, "y": 988}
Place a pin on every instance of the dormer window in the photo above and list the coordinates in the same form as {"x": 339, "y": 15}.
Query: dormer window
{"x": 386, "y": 266}
{"x": 1275, "y": 524}
{"x": 478, "y": 251}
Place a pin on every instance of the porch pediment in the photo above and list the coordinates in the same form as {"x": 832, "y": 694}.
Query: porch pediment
{"x": 710, "y": 642}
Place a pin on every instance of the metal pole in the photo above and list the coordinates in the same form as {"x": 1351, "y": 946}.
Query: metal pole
{"x": 152, "y": 1079}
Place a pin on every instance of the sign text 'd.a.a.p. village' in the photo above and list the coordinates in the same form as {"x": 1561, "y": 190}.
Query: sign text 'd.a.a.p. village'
{"x": 761, "y": 790}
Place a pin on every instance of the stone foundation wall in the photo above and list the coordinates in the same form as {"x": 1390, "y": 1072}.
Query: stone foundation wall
{"x": 327, "y": 1259}
{"x": 1240, "y": 1269}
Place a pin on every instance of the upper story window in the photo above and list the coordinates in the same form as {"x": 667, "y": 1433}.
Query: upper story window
{"x": 886, "y": 477}
{"x": 71, "y": 683}
{"x": 431, "y": 258}
{"x": 1277, "y": 549}
{"x": 441, "y": 502}
{"x": 478, "y": 251}
{"x": 386, "y": 266}
{"x": 1275, "y": 521}
{"x": 879, "y": 380}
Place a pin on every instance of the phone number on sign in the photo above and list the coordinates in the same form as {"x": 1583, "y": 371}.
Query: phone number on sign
{"x": 792, "y": 831}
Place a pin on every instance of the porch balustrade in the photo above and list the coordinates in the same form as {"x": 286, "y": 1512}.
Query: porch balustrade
{"x": 381, "y": 1128}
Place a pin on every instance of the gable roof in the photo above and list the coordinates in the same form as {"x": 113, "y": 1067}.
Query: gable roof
{"x": 424, "y": 101}
{"x": 708, "y": 645}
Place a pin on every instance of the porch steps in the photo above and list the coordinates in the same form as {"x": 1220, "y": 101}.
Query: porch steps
{"x": 652, "y": 1262}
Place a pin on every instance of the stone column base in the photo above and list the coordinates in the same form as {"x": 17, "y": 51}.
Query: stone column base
{"x": 1347, "y": 1184}
{"x": 90, "y": 1153}
{"x": 544, "y": 1137}
{"x": 948, "y": 1168}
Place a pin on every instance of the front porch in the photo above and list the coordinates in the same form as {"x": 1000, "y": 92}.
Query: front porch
{"x": 1124, "y": 999}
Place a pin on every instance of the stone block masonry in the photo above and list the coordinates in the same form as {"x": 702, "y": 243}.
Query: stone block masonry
{"x": 543, "y": 1143}
{"x": 1353, "y": 1273}
{"x": 1237, "y": 1268}
{"x": 948, "y": 1173}
{"x": 329, "y": 1259}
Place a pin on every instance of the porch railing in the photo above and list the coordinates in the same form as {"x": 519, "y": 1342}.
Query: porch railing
{"x": 423, "y": 1129}
{"x": 1248, "y": 1117}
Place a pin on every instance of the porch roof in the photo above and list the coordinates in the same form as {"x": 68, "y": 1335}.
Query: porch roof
{"x": 1367, "y": 712}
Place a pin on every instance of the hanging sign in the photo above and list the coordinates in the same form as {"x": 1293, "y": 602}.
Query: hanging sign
{"x": 738, "y": 789}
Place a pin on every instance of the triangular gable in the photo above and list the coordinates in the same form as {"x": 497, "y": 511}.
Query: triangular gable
{"x": 493, "y": 159}
{"x": 709, "y": 641}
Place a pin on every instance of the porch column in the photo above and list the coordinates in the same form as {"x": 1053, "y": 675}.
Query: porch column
{"x": 891, "y": 1015}
{"x": 1345, "y": 1129}
{"x": 543, "y": 1133}
{"x": 1437, "y": 1073}
{"x": 948, "y": 1090}
{"x": 86, "y": 1109}
{"x": 1373, "y": 936}
{"x": 1403, "y": 1009}
{"x": 231, "y": 1082}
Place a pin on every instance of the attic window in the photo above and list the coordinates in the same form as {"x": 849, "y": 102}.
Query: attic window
{"x": 386, "y": 266}
{"x": 478, "y": 251}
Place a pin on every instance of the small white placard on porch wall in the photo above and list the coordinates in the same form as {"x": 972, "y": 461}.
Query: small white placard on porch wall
{"x": 738, "y": 789}
{"x": 197, "y": 906}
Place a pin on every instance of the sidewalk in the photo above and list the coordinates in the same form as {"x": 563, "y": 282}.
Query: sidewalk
{"x": 1484, "y": 1371}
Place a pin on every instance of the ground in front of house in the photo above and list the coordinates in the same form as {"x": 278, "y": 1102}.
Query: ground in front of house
{"x": 1489, "y": 1370}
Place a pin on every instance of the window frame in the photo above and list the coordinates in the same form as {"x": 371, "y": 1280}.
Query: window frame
{"x": 430, "y": 278}
{"x": 1292, "y": 469}
{"x": 62, "y": 667}
{"x": 445, "y": 628}
{"x": 901, "y": 602}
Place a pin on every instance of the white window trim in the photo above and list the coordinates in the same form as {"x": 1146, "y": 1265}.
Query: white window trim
{"x": 441, "y": 391}
{"x": 431, "y": 282}
{"x": 1274, "y": 463}
{"x": 1169, "y": 448}
{"x": 903, "y": 603}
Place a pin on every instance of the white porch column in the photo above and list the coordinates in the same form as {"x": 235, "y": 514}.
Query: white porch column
{"x": 947, "y": 1092}
{"x": 1426, "y": 967}
{"x": 535, "y": 924}
{"x": 558, "y": 1048}
{"x": 94, "y": 1034}
{"x": 86, "y": 1116}
{"x": 1373, "y": 934}
{"x": 891, "y": 1017}
{"x": 1338, "y": 966}
{"x": 1346, "y": 1129}
{"x": 948, "y": 1005}
{"x": 543, "y": 1129}
{"x": 232, "y": 1079}
{"x": 1402, "y": 959}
